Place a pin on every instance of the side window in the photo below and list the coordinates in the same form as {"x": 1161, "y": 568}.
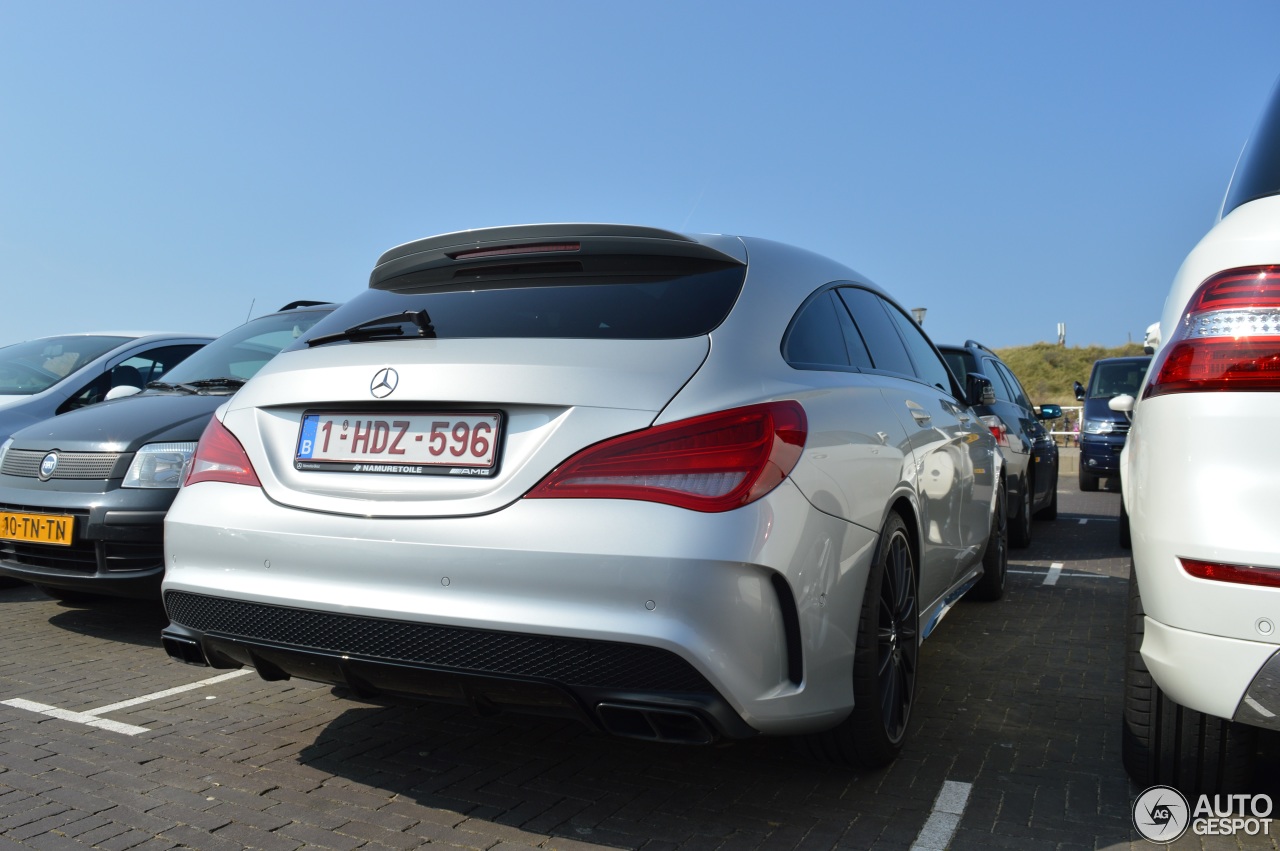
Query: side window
{"x": 929, "y": 366}
{"x": 154, "y": 363}
{"x": 959, "y": 366}
{"x": 877, "y": 332}
{"x": 998, "y": 382}
{"x": 134, "y": 371}
{"x": 858, "y": 354}
{"x": 1019, "y": 395}
{"x": 815, "y": 337}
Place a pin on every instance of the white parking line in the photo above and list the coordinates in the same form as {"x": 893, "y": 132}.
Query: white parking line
{"x": 1070, "y": 574}
{"x": 940, "y": 827}
{"x": 1055, "y": 570}
{"x": 90, "y": 718}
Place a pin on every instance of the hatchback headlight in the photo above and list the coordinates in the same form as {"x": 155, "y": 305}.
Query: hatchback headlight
{"x": 4, "y": 448}
{"x": 159, "y": 465}
{"x": 1098, "y": 426}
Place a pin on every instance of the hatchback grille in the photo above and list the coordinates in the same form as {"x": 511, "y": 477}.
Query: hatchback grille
{"x": 568, "y": 661}
{"x": 71, "y": 465}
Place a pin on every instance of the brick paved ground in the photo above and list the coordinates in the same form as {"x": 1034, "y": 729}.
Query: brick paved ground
{"x": 1020, "y": 698}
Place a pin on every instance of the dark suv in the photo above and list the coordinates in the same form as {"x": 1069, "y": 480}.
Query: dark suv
{"x": 1030, "y": 453}
{"x": 1104, "y": 430}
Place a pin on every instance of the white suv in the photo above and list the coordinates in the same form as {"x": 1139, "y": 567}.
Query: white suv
{"x": 1200, "y": 495}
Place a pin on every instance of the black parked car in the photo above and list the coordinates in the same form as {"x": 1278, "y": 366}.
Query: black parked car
{"x": 1030, "y": 453}
{"x": 83, "y": 496}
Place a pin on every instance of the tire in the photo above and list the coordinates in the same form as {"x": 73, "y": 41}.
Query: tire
{"x": 1088, "y": 481}
{"x": 1126, "y": 540}
{"x": 67, "y": 595}
{"x": 1163, "y": 743}
{"x": 885, "y": 661}
{"x": 995, "y": 559}
{"x": 1050, "y": 512}
{"x": 1020, "y": 528}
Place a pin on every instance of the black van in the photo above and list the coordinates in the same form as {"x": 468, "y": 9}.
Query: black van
{"x": 1103, "y": 431}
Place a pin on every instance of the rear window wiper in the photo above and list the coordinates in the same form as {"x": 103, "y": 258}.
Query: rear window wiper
{"x": 383, "y": 326}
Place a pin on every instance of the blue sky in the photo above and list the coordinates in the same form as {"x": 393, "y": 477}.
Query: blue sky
{"x": 1008, "y": 166}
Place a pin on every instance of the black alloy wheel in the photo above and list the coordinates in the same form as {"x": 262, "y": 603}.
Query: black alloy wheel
{"x": 885, "y": 662}
{"x": 897, "y": 638}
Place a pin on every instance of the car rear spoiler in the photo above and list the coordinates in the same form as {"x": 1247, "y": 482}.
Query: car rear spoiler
{"x": 523, "y": 249}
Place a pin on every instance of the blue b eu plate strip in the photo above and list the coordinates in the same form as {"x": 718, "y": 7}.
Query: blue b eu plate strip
{"x": 307, "y": 439}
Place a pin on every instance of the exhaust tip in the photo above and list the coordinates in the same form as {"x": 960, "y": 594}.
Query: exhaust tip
{"x": 185, "y": 650}
{"x": 678, "y": 726}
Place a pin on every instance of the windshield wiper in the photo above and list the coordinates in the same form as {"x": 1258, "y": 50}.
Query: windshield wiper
{"x": 204, "y": 385}
{"x": 161, "y": 385}
{"x": 383, "y": 326}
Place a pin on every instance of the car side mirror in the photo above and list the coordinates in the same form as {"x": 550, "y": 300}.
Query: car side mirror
{"x": 120, "y": 392}
{"x": 1122, "y": 403}
{"x": 1079, "y": 388}
{"x": 978, "y": 389}
{"x": 1049, "y": 412}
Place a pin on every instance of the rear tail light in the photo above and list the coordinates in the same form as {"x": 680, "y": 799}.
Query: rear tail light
{"x": 998, "y": 429}
{"x": 220, "y": 458}
{"x": 1240, "y": 574}
{"x": 715, "y": 462}
{"x": 1229, "y": 338}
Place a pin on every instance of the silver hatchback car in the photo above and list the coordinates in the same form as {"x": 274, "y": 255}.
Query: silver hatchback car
{"x": 684, "y": 488}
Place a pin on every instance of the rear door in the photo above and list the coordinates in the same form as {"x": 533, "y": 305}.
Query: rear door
{"x": 954, "y": 491}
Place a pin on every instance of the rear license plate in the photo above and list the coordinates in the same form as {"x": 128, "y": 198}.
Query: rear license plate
{"x": 37, "y": 528}
{"x": 443, "y": 443}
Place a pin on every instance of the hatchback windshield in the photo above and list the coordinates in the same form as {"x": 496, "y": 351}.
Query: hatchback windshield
{"x": 241, "y": 352}
{"x": 36, "y": 365}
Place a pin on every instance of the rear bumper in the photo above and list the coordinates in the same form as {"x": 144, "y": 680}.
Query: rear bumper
{"x": 1223, "y": 677}
{"x": 623, "y": 689}
{"x": 759, "y": 605}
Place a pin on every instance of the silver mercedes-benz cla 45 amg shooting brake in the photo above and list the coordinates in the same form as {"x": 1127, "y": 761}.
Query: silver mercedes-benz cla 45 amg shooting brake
{"x": 684, "y": 488}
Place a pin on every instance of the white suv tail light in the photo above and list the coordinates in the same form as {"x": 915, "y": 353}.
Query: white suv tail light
{"x": 1229, "y": 338}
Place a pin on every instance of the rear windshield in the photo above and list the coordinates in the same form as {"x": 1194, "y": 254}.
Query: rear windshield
{"x": 644, "y": 307}
{"x": 1258, "y": 172}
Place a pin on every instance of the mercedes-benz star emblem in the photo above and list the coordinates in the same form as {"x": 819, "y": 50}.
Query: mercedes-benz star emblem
{"x": 384, "y": 382}
{"x": 47, "y": 465}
